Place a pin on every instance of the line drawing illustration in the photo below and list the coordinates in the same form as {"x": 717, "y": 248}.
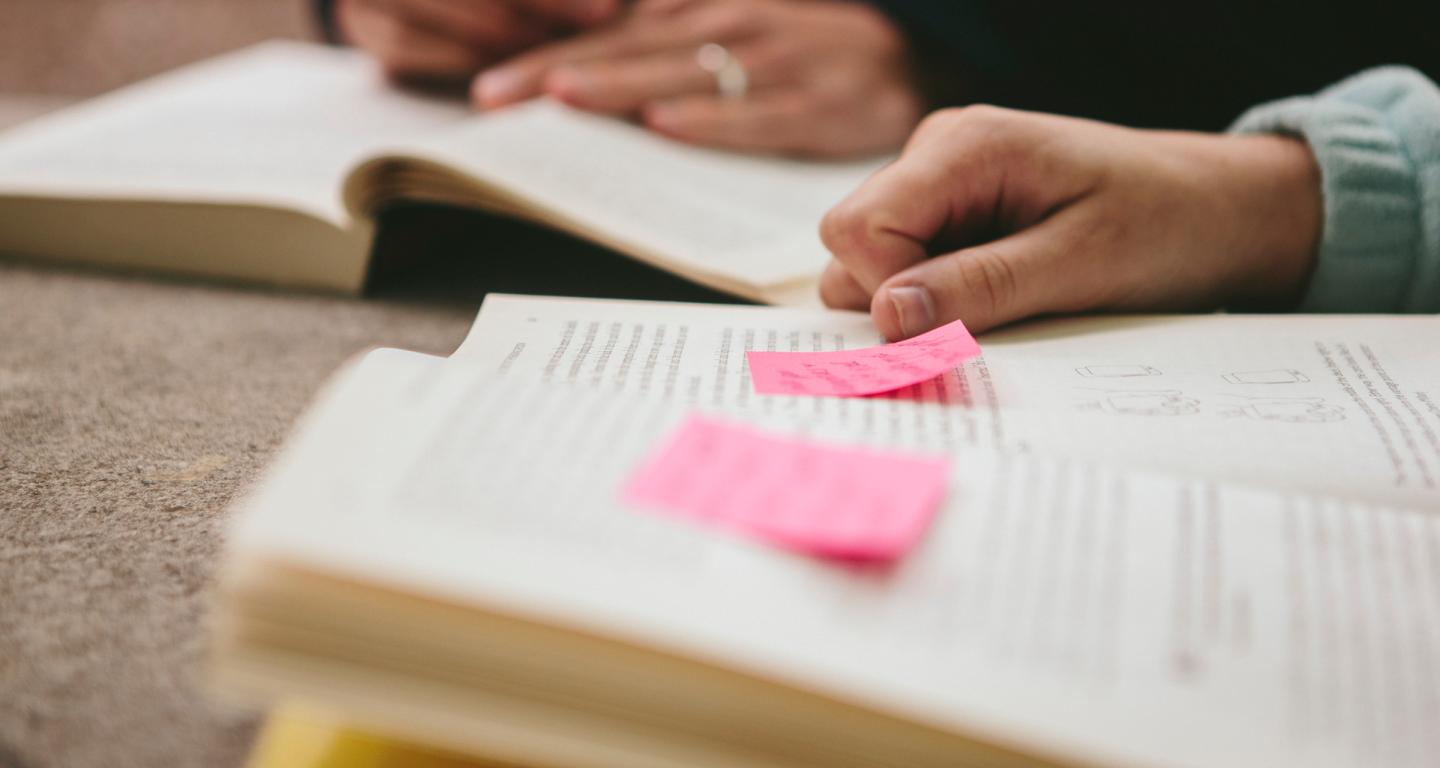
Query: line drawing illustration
{"x": 1273, "y": 376}
{"x": 1117, "y": 371}
{"x": 1155, "y": 402}
{"x": 1291, "y": 410}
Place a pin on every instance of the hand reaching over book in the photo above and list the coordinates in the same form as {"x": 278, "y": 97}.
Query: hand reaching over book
{"x": 428, "y": 40}
{"x": 793, "y": 77}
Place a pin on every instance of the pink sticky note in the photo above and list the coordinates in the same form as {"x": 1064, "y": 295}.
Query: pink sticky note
{"x": 858, "y": 372}
{"x": 826, "y": 500}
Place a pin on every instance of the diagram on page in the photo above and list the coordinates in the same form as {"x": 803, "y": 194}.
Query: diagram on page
{"x": 1117, "y": 371}
{"x": 1278, "y": 376}
{"x": 1292, "y": 410}
{"x": 1166, "y": 402}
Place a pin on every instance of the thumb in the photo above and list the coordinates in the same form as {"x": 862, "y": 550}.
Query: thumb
{"x": 986, "y": 286}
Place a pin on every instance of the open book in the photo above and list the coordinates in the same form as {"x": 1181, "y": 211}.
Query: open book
{"x": 270, "y": 165}
{"x": 441, "y": 553}
{"x": 1336, "y": 404}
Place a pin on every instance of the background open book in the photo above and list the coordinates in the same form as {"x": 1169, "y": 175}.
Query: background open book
{"x": 271, "y": 164}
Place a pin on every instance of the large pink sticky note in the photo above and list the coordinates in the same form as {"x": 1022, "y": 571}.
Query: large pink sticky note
{"x": 858, "y": 372}
{"x": 806, "y": 496}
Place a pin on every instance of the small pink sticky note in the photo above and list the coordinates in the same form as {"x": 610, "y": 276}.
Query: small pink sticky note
{"x": 858, "y": 372}
{"x": 826, "y": 500}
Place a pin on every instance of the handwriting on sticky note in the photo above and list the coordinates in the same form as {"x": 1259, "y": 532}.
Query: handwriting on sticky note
{"x": 802, "y": 495}
{"x": 859, "y": 372}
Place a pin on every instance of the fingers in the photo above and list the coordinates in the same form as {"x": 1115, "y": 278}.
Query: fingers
{"x": 802, "y": 99}
{"x": 623, "y": 86}
{"x": 523, "y": 77}
{"x": 839, "y": 290}
{"x": 886, "y": 225}
{"x": 404, "y": 48}
{"x": 967, "y": 176}
{"x": 580, "y": 12}
{"x": 964, "y": 175}
{"x": 948, "y": 180}
{"x": 772, "y": 122}
{"x": 661, "y": 6}
{"x": 495, "y": 27}
{"x": 639, "y": 36}
{"x": 986, "y": 286}
{"x": 438, "y": 38}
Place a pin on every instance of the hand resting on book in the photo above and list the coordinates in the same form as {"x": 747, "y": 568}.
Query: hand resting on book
{"x": 454, "y": 39}
{"x": 820, "y": 79}
{"x": 825, "y": 79}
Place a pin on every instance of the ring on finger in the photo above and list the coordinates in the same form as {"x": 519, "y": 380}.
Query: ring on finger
{"x": 731, "y": 80}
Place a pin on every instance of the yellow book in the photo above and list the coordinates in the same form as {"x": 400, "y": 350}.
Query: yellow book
{"x": 299, "y": 737}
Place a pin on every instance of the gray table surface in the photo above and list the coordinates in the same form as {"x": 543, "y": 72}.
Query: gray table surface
{"x": 132, "y": 411}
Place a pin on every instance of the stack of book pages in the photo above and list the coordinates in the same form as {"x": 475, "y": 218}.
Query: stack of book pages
{"x": 1168, "y": 541}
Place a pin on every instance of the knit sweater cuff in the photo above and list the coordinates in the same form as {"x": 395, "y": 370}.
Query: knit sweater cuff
{"x": 1373, "y": 254}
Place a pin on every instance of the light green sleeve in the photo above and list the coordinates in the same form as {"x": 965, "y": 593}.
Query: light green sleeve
{"x": 1376, "y": 137}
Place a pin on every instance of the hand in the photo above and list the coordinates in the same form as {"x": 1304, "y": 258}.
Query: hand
{"x": 991, "y": 216}
{"x": 451, "y": 39}
{"x": 825, "y": 78}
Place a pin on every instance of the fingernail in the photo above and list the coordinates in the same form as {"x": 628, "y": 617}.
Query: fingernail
{"x": 497, "y": 87}
{"x": 568, "y": 84}
{"x": 913, "y": 308}
{"x": 660, "y": 118}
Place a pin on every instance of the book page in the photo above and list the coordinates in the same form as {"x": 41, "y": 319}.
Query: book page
{"x": 743, "y": 218}
{"x": 1336, "y": 404}
{"x": 278, "y": 124}
{"x": 1088, "y": 614}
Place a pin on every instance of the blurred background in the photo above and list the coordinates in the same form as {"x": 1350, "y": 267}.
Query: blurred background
{"x": 57, "y": 51}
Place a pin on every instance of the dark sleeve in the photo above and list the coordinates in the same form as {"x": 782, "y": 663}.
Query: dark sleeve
{"x": 1194, "y": 65}
{"x": 325, "y": 20}
{"x": 1159, "y": 65}
{"x": 959, "y": 54}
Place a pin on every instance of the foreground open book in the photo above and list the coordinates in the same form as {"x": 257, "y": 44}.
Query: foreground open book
{"x": 270, "y": 165}
{"x": 441, "y": 553}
